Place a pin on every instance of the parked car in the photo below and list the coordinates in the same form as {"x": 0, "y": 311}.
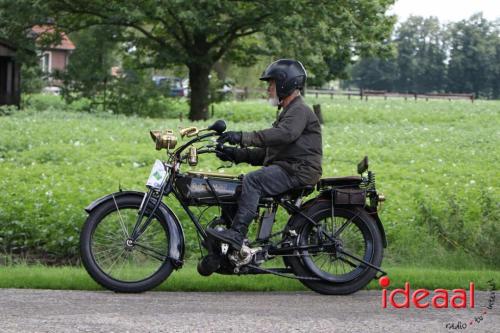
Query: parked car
{"x": 52, "y": 90}
{"x": 178, "y": 86}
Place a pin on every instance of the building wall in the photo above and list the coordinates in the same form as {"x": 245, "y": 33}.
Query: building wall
{"x": 59, "y": 60}
{"x": 9, "y": 81}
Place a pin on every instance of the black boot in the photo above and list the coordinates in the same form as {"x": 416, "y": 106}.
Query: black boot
{"x": 237, "y": 233}
{"x": 209, "y": 264}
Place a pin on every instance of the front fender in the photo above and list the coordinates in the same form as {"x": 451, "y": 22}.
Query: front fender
{"x": 101, "y": 200}
{"x": 176, "y": 233}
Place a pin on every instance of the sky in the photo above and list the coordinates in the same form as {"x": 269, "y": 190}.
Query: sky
{"x": 446, "y": 10}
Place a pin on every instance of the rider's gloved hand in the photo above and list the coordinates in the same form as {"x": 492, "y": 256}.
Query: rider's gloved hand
{"x": 227, "y": 154}
{"x": 233, "y": 138}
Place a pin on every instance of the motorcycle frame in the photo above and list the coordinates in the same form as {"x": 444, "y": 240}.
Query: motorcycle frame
{"x": 174, "y": 162}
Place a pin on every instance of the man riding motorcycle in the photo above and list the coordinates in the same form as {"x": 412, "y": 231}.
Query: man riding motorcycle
{"x": 290, "y": 151}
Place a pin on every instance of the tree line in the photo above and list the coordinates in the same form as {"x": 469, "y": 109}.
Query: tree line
{"x": 324, "y": 34}
{"x": 460, "y": 57}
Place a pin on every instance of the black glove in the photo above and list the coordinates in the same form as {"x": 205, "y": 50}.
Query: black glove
{"x": 233, "y": 138}
{"x": 227, "y": 153}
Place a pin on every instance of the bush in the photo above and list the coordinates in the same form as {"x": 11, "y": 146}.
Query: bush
{"x": 6, "y": 110}
{"x": 464, "y": 226}
{"x": 136, "y": 94}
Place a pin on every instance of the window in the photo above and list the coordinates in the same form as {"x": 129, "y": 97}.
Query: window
{"x": 45, "y": 62}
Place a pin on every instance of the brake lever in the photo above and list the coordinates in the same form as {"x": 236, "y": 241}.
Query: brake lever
{"x": 219, "y": 148}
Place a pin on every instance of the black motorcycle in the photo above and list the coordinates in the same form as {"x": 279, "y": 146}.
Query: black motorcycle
{"x": 332, "y": 243}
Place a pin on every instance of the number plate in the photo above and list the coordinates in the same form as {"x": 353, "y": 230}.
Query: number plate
{"x": 157, "y": 176}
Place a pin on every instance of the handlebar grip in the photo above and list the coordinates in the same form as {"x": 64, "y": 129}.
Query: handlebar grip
{"x": 219, "y": 146}
{"x": 203, "y": 151}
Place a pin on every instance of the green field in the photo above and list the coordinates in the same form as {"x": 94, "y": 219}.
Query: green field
{"x": 435, "y": 162}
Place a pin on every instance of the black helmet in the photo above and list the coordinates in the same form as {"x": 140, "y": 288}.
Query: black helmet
{"x": 289, "y": 75}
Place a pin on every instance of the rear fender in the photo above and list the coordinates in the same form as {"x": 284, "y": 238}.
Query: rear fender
{"x": 176, "y": 246}
{"x": 296, "y": 221}
{"x": 373, "y": 213}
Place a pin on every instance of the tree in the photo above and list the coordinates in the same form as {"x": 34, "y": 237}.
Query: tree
{"x": 199, "y": 33}
{"x": 88, "y": 73}
{"x": 421, "y": 47}
{"x": 418, "y": 65}
{"x": 376, "y": 74}
{"x": 473, "y": 65}
{"x": 496, "y": 70}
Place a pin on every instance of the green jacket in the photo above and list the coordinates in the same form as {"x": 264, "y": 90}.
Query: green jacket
{"x": 293, "y": 143}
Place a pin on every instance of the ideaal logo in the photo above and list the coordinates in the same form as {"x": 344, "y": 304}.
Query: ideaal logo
{"x": 482, "y": 315}
{"x": 421, "y": 300}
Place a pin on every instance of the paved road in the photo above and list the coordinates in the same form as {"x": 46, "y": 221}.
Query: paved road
{"x": 80, "y": 311}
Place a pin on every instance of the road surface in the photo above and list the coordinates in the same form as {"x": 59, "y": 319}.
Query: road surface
{"x": 24, "y": 310}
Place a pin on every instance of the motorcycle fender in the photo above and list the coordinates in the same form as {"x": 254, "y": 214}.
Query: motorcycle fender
{"x": 372, "y": 212}
{"x": 177, "y": 246}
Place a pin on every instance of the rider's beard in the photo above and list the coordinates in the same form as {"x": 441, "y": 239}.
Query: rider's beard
{"x": 274, "y": 101}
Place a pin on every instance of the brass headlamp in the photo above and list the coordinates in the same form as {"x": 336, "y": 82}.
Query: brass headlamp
{"x": 165, "y": 139}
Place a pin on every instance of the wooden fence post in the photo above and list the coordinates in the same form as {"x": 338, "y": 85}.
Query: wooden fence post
{"x": 317, "y": 112}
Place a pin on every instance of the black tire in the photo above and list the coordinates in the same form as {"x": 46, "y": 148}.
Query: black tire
{"x": 102, "y": 241}
{"x": 365, "y": 238}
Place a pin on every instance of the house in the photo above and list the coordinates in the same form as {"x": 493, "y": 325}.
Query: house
{"x": 10, "y": 93}
{"x": 54, "y": 57}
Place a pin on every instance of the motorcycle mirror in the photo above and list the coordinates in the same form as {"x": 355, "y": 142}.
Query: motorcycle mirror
{"x": 219, "y": 126}
{"x": 363, "y": 165}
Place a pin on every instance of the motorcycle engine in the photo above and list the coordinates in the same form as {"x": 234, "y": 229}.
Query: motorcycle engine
{"x": 244, "y": 256}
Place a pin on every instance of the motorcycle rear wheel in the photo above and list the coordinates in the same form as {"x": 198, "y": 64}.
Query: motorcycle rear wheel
{"x": 338, "y": 272}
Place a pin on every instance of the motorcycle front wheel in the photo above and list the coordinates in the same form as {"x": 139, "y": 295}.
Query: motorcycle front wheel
{"x": 115, "y": 261}
{"x": 344, "y": 237}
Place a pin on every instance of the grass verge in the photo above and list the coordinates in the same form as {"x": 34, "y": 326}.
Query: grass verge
{"x": 187, "y": 279}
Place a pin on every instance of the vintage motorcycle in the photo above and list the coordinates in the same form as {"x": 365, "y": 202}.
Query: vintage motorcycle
{"x": 332, "y": 243}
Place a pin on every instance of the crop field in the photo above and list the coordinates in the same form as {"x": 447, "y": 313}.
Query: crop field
{"x": 435, "y": 162}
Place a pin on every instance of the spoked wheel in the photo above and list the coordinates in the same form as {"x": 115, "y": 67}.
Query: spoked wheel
{"x": 110, "y": 255}
{"x": 344, "y": 239}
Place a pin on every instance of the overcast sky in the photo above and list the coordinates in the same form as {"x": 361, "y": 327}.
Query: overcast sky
{"x": 446, "y": 10}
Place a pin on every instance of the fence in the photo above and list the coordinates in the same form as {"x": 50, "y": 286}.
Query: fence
{"x": 243, "y": 93}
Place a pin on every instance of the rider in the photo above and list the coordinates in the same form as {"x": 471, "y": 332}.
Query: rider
{"x": 290, "y": 151}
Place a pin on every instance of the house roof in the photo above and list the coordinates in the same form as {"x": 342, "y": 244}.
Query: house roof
{"x": 7, "y": 44}
{"x": 66, "y": 43}
{"x": 9, "y": 48}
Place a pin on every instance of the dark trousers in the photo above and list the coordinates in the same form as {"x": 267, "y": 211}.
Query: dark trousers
{"x": 265, "y": 182}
